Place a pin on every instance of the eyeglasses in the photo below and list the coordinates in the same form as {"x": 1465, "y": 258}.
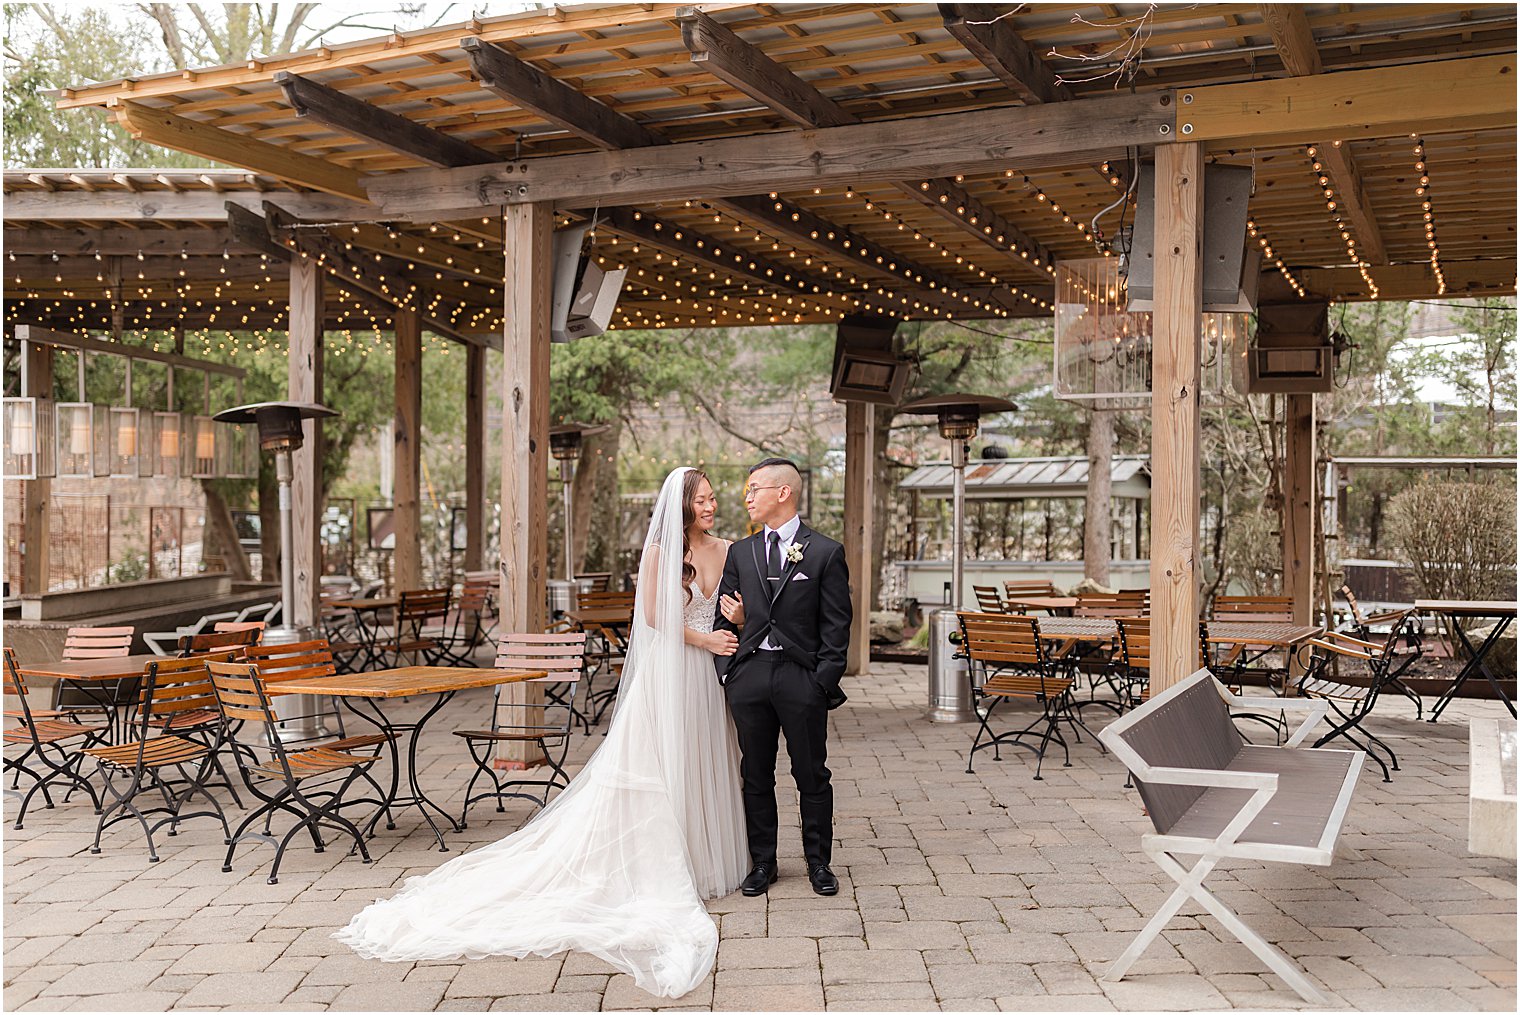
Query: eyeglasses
{"x": 750, "y": 491}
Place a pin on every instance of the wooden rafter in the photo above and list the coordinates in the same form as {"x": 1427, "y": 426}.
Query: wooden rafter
{"x": 162, "y": 206}
{"x": 1293, "y": 38}
{"x": 360, "y": 119}
{"x": 1001, "y": 50}
{"x": 530, "y": 88}
{"x": 166, "y": 129}
{"x": 119, "y": 240}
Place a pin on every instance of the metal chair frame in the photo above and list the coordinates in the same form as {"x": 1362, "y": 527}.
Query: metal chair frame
{"x": 40, "y": 731}
{"x": 1352, "y": 703}
{"x": 1412, "y": 631}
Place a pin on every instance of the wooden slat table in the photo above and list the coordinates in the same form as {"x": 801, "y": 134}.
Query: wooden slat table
{"x": 96, "y": 679}
{"x": 362, "y": 693}
{"x": 1053, "y": 604}
{"x": 1500, "y": 611}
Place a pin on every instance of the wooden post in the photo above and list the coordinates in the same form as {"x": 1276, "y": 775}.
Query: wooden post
{"x": 306, "y": 316}
{"x": 859, "y": 502}
{"x": 525, "y": 439}
{"x": 37, "y": 494}
{"x": 1176, "y": 333}
{"x": 475, "y": 457}
{"x": 407, "y": 453}
{"x": 1298, "y": 507}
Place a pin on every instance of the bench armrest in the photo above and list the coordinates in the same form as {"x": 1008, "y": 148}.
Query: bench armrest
{"x": 1210, "y": 777}
{"x": 1315, "y": 707}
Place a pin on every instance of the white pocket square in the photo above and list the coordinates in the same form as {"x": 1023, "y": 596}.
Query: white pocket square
{"x": 799, "y": 577}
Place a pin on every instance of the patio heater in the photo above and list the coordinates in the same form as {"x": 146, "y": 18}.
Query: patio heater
{"x": 565, "y": 445}
{"x": 959, "y": 414}
{"x": 279, "y": 425}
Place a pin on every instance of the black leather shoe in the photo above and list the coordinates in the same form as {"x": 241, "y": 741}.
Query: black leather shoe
{"x": 761, "y": 878}
{"x": 823, "y": 879}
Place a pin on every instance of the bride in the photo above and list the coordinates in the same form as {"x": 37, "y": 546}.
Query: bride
{"x": 619, "y": 863}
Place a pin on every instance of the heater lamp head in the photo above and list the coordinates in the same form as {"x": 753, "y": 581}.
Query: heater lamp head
{"x": 279, "y": 423}
{"x": 565, "y": 440}
{"x": 958, "y": 413}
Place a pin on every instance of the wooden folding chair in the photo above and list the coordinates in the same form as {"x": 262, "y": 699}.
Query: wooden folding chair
{"x": 94, "y": 643}
{"x": 988, "y": 600}
{"x": 1011, "y": 658}
{"x": 1412, "y": 633}
{"x": 229, "y": 636}
{"x": 243, "y": 697}
{"x": 601, "y": 581}
{"x": 563, "y": 657}
{"x": 53, "y": 740}
{"x": 467, "y": 630}
{"x": 1017, "y": 589}
{"x": 1253, "y": 609}
{"x": 170, "y": 686}
{"x": 1352, "y": 702}
{"x": 420, "y": 617}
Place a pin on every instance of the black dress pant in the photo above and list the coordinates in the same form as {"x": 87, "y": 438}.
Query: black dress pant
{"x": 769, "y": 694}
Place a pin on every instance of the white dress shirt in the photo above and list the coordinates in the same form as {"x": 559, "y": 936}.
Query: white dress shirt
{"x": 787, "y": 532}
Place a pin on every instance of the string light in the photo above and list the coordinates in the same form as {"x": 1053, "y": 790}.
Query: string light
{"x": 1076, "y": 223}
{"x": 1256, "y": 233}
{"x": 1341, "y": 225}
{"x": 1428, "y": 212}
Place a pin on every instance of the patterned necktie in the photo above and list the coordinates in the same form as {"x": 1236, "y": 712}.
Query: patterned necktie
{"x": 773, "y": 556}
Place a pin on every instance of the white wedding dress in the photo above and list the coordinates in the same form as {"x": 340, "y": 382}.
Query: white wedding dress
{"x": 618, "y": 864}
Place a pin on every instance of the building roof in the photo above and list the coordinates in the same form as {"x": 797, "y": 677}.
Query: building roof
{"x": 1031, "y": 478}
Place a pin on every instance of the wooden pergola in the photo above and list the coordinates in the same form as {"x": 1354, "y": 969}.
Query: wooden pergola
{"x": 751, "y": 163}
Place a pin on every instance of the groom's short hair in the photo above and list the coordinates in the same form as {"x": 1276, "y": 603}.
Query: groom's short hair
{"x": 766, "y": 463}
{"x": 782, "y": 472}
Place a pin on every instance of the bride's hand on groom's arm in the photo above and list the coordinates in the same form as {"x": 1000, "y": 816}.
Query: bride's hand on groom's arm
{"x": 733, "y": 609}
{"x": 722, "y": 643}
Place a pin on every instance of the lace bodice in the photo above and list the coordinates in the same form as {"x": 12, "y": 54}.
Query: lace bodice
{"x": 700, "y": 611}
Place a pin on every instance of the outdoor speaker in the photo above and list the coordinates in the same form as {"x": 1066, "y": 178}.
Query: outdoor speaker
{"x": 1230, "y": 269}
{"x": 584, "y": 294}
{"x": 865, "y": 367}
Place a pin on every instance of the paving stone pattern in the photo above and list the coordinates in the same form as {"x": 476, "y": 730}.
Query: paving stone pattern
{"x": 959, "y": 892}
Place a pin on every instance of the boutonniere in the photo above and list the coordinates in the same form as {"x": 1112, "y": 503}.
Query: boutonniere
{"x": 794, "y": 553}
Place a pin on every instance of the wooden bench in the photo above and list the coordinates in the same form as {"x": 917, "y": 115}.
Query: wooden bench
{"x": 1211, "y": 795}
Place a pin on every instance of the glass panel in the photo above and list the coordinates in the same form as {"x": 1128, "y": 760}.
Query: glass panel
{"x": 28, "y": 452}
{"x": 76, "y": 440}
{"x": 199, "y": 446}
{"x": 124, "y": 445}
{"x": 167, "y": 429}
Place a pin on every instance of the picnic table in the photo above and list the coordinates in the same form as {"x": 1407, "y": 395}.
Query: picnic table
{"x": 362, "y": 693}
{"x": 1474, "y": 609}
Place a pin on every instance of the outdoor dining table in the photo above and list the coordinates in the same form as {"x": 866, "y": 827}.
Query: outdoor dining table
{"x": 368, "y": 629}
{"x": 362, "y": 693}
{"x": 1053, "y": 604}
{"x": 1503, "y": 613}
{"x": 96, "y": 679}
{"x": 615, "y": 622}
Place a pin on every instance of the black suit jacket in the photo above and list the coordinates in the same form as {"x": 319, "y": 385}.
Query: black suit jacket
{"x": 808, "y": 612}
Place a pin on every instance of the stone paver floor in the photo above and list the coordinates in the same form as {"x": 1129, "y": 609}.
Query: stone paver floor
{"x": 959, "y": 892}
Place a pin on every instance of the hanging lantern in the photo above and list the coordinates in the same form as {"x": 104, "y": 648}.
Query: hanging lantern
{"x": 198, "y": 447}
{"x": 167, "y": 428}
{"x": 75, "y": 432}
{"x": 124, "y": 459}
{"x": 28, "y": 426}
{"x": 237, "y": 451}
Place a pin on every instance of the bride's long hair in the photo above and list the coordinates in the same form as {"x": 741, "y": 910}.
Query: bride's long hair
{"x": 689, "y": 484}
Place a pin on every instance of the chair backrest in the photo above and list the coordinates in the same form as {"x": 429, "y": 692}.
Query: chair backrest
{"x": 301, "y": 660}
{"x": 15, "y": 683}
{"x": 1124, "y": 603}
{"x": 605, "y": 600}
{"x": 1274, "y": 609}
{"x": 1358, "y": 618}
{"x": 1135, "y": 641}
{"x": 561, "y": 655}
{"x": 178, "y": 685}
{"x": 988, "y": 600}
{"x": 98, "y": 642}
{"x": 475, "y": 594}
{"x": 1002, "y": 640}
{"x": 1013, "y": 590}
{"x": 220, "y": 641}
{"x": 236, "y": 626}
{"x": 1184, "y": 727}
{"x": 601, "y": 581}
{"x": 241, "y": 695}
{"x": 418, "y": 606}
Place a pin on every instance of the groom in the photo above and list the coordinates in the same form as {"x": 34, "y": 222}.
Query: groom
{"x": 794, "y": 590}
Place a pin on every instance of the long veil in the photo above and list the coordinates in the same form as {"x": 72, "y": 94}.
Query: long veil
{"x": 604, "y": 868}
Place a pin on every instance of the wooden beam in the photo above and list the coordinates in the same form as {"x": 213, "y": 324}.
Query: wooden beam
{"x": 1299, "y": 505}
{"x": 391, "y": 131}
{"x": 1475, "y": 277}
{"x": 1352, "y": 201}
{"x": 162, "y": 206}
{"x": 1425, "y": 98}
{"x": 529, "y": 88}
{"x": 1001, "y": 50}
{"x": 163, "y": 128}
{"x": 716, "y": 49}
{"x": 859, "y": 527}
{"x": 83, "y": 242}
{"x": 36, "y": 494}
{"x": 524, "y": 438}
{"x": 1176, "y": 345}
{"x": 474, "y": 457}
{"x": 71, "y": 340}
{"x": 914, "y": 148}
{"x": 1293, "y": 38}
{"x": 305, "y": 385}
{"x": 406, "y": 453}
